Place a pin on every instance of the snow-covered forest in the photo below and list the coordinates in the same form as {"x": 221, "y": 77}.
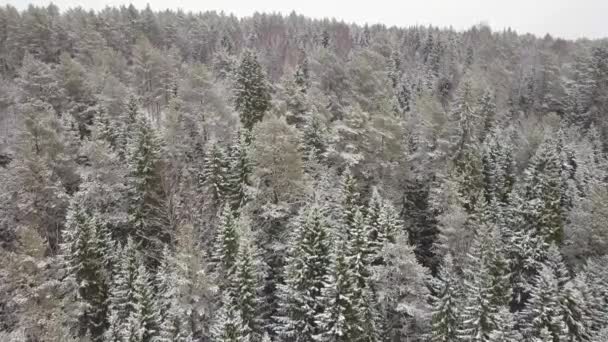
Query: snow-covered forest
{"x": 188, "y": 177}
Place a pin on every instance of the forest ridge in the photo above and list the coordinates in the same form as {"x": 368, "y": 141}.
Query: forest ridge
{"x": 186, "y": 177}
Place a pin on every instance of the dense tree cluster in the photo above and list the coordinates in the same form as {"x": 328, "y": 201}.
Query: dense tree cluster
{"x": 184, "y": 177}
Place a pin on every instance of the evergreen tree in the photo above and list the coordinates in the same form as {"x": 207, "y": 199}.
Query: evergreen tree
{"x": 240, "y": 169}
{"x": 349, "y": 203}
{"x": 302, "y": 75}
{"x": 143, "y": 323}
{"x": 83, "y": 254}
{"x": 540, "y": 194}
{"x": 486, "y": 111}
{"x": 123, "y": 303}
{"x": 505, "y": 330}
{"x": 446, "y": 304}
{"x": 339, "y": 322}
{"x": 252, "y": 93}
{"x": 227, "y": 324}
{"x": 225, "y": 248}
{"x": 174, "y": 325}
{"x": 215, "y": 174}
{"x": 543, "y": 310}
{"x": 307, "y": 268}
{"x": 145, "y": 194}
{"x": 246, "y": 287}
{"x": 485, "y": 285}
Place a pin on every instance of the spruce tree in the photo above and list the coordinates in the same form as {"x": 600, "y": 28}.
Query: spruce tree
{"x": 543, "y": 310}
{"x": 349, "y": 203}
{"x": 84, "y": 258}
{"x": 505, "y": 330}
{"x": 252, "y": 93}
{"x": 246, "y": 288}
{"x": 174, "y": 324}
{"x": 446, "y": 298}
{"x": 540, "y": 194}
{"x": 339, "y": 322}
{"x": 483, "y": 287}
{"x": 240, "y": 169}
{"x": 145, "y": 194}
{"x": 225, "y": 247}
{"x": 307, "y": 268}
{"x": 227, "y": 324}
{"x": 216, "y": 175}
{"x": 122, "y": 303}
{"x": 143, "y": 324}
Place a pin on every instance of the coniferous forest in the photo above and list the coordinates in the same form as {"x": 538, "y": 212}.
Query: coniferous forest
{"x": 190, "y": 177}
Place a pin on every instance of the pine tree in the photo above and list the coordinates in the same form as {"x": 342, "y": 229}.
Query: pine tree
{"x": 143, "y": 324}
{"x": 485, "y": 286}
{"x": 145, "y": 194}
{"x": 498, "y": 168}
{"x": 252, "y": 93}
{"x": 462, "y": 118}
{"x": 505, "y": 328}
{"x": 446, "y": 304}
{"x": 541, "y": 194}
{"x": 228, "y": 323}
{"x": 84, "y": 258}
{"x": 246, "y": 288}
{"x": 486, "y": 111}
{"x": 215, "y": 175}
{"x": 173, "y": 325}
{"x": 122, "y": 292}
{"x": 225, "y": 248}
{"x": 338, "y": 323}
{"x": 302, "y": 75}
{"x": 349, "y": 203}
{"x": 543, "y": 310}
{"x": 306, "y": 271}
{"x": 240, "y": 170}
{"x": 572, "y": 304}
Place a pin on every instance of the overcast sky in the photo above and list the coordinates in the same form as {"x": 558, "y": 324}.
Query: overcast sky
{"x": 561, "y": 18}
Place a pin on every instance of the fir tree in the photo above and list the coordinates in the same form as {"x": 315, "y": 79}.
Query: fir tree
{"x": 143, "y": 324}
{"x": 225, "y": 248}
{"x": 246, "y": 288}
{"x": 505, "y": 330}
{"x": 252, "y": 93}
{"x": 543, "y": 310}
{"x": 240, "y": 169}
{"x": 349, "y": 203}
{"x": 145, "y": 194}
{"x": 215, "y": 175}
{"x": 483, "y": 287}
{"x": 446, "y": 304}
{"x": 306, "y": 271}
{"x": 122, "y": 292}
{"x": 83, "y": 254}
{"x": 339, "y": 322}
{"x": 228, "y": 323}
{"x": 173, "y": 320}
{"x": 541, "y": 194}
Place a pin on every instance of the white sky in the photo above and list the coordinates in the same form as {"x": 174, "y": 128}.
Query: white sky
{"x": 561, "y": 18}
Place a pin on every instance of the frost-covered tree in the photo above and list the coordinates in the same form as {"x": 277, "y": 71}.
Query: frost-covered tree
{"x": 307, "y": 268}
{"x": 226, "y": 246}
{"x": 252, "y": 91}
{"x": 84, "y": 256}
{"x": 146, "y": 218}
{"x": 216, "y": 175}
{"x": 446, "y": 301}
{"x": 339, "y": 321}
{"x": 543, "y": 311}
